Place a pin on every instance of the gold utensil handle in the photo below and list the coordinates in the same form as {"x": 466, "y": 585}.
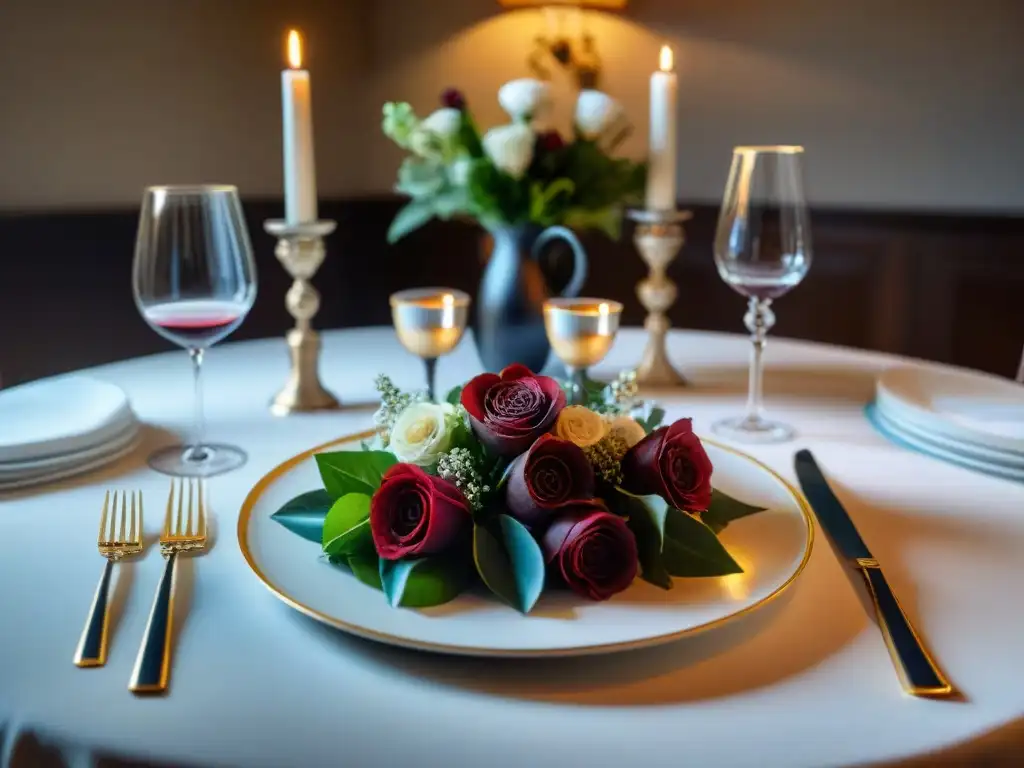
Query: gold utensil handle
{"x": 918, "y": 672}
{"x": 92, "y": 646}
{"x": 153, "y": 665}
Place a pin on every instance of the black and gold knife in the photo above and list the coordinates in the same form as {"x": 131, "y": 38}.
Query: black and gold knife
{"x": 919, "y": 674}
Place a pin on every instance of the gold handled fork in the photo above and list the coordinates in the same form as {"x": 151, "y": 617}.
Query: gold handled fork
{"x": 153, "y": 665}
{"x": 114, "y": 543}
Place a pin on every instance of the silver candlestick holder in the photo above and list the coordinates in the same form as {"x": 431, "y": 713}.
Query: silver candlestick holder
{"x": 300, "y": 248}
{"x": 658, "y": 238}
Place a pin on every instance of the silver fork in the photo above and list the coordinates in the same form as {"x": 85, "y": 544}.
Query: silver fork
{"x": 114, "y": 543}
{"x": 153, "y": 665}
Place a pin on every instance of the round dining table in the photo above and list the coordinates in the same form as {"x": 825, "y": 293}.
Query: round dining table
{"x": 806, "y": 680}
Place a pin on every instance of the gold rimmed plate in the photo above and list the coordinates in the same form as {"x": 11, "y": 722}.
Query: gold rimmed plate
{"x": 772, "y": 546}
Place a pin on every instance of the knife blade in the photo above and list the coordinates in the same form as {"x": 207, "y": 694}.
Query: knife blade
{"x": 919, "y": 674}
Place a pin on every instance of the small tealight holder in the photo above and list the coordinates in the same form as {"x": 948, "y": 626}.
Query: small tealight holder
{"x": 581, "y": 332}
{"x": 430, "y": 323}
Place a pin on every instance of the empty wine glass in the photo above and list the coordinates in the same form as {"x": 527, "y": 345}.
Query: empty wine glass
{"x": 762, "y": 249}
{"x": 194, "y": 281}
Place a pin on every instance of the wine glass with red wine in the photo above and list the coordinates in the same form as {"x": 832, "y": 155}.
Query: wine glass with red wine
{"x": 762, "y": 250}
{"x": 194, "y": 281}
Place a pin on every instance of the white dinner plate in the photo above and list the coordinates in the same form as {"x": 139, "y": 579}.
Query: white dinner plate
{"x": 905, "y": 439}
{"x": 962, "y": 405}
{"x": 974, "y": 451}
{"x": 14, "y": 470}
{"x": 772, "y": 547}
{"x": 114, "y": 453}
{"x": 52, "y": 417}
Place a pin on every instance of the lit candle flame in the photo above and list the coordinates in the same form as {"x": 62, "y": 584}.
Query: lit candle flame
{"x": 665, "y": 59}
{"x": 603, "y": 326}
{"x": 294, "y": 49}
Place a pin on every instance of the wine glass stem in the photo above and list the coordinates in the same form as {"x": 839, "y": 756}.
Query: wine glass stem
{"x": 577, "y": 385}
{"x": 759, "y": 320}
{"x": 430, "y": 363}
{"x": 198, "y": 451}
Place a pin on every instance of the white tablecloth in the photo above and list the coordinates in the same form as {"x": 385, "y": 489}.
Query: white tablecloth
{"x": 806, "y": 681}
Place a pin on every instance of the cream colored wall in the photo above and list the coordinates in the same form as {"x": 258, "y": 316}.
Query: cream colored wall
{"x": 900, "y": 103}
{"x": 100, "y": 97}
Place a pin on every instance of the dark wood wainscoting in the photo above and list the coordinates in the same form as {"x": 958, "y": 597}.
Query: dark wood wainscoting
{"x": 942, "y": 287}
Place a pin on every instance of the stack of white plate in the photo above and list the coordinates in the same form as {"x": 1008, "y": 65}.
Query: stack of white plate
{"x": 971, "y": 419}
{"x": 57, "y": 428}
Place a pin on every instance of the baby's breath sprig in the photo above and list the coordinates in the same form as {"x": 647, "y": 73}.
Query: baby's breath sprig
{"x": 392, "y": 402}
{"x": 606, "y": 457}
{"x": 460, "y": 467}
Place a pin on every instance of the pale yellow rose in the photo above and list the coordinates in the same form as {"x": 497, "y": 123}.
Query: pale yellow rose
{"x": 580, "y": 425}
{"x": 628, "y": 429}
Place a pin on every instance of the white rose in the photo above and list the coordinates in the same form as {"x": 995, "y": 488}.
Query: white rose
{"x": 525, "y": 99}
{"x": 422, "y": 432}
{"x": 580, "y": 425}
{"x": 510, "y": 148}
{"x": 596, "y": 112}
{"x": 443, "y": 122}
{"x": 628, "y": 429}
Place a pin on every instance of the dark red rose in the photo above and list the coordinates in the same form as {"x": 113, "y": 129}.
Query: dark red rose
{"x": 551, "y": 475}
{"x": 453, "y": 98}
{"x": 670, "y": 462}
{"x": 593, "y": 549}
{"x": 550, "y": 141}
{"x": 508, "y": 412}
{"x": 413, "y": 513}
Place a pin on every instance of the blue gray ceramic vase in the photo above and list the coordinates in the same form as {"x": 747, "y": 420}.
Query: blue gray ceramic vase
{"x": 508, "y": 325}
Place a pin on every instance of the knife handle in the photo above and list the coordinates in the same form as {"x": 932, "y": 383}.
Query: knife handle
{"x": 918, "y": 673}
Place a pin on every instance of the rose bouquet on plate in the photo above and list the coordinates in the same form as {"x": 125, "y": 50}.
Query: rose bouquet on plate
{"x": 517, "y": 173}
{"x": 504, "y": 485}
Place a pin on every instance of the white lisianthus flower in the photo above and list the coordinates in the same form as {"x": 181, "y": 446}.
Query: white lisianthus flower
{"x": 525, "y": 99}
{"x": 510, "y": 148}
{"x": 580, "y": 426}
{"x": 627, "y": 428}
{"x": 422, "y": 432}
{"x": 596, "y": 112}
{"x": 443, "y": 122}
{"x": 458, "y": 171}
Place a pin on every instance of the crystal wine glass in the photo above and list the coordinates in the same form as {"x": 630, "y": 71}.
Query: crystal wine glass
{"x": 762, "y": 249}
{"x": 194, "y": 281}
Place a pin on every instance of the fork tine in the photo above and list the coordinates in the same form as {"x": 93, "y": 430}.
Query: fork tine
{"x": 138, "y": 531}
{"x": 170, "y": 506}
{"x": 201, "y": 521}
{"x": 191, "y": 493}
{"x": 131, "y": 530}
{"x": 181, "y": 500}
{"x": 112, "y": 527}
{"x": 124, "y": 516}
{"x": 103, "y": 517}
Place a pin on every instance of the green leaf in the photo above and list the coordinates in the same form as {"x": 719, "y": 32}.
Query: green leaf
{"x": 353, "y": 471}
{"x": 365, "y": 567}
{"x": 724, "y": 509}
{"x": 691, "y": 548}
{"x": 646, "y": 519}
{"x": 305, "y": 514}
{"x": 512, "y": 567}
{"x": 424, "y": 581}
{"x": 454, "y": 396}
{"x": 653, "y": 420}
{"x": 412, "y": 216}
{"x": 420, "y": 178}
{"x": 347, "y": 527}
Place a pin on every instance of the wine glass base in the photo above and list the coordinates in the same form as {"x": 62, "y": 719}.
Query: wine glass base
{"x": 179, "y": 461}
{"x": 744, "y": 429}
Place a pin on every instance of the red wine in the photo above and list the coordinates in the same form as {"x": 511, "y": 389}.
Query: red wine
{"x": 196, "y": 323}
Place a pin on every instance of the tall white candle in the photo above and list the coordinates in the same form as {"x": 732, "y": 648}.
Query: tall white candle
{"x": 299, "y": 167}
{"x": 661, "y": 172}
